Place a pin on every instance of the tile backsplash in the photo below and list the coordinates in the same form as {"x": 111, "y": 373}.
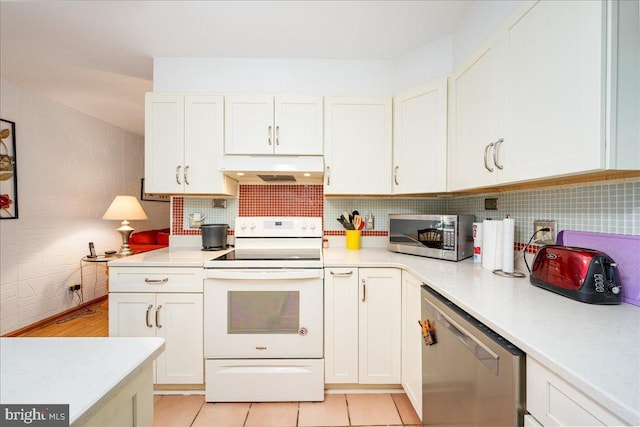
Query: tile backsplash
{"x": 608, "y": 207}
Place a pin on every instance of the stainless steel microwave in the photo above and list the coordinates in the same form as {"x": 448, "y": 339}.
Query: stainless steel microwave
{"x": 447, "y": 237}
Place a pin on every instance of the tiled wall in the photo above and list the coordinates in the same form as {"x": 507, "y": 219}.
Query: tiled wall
{"x": 612, "y": 207}
{"x": 70, "y": 166}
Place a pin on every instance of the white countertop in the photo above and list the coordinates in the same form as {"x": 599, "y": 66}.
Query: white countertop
{"x": 594, "y": 347}
{"x": 82, "y": 372}
{"x": 169, "y": 256}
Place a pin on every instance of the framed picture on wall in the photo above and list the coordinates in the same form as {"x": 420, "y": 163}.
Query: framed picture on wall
{"x": 152, "y": 197}
{"x": 8, "y": 171}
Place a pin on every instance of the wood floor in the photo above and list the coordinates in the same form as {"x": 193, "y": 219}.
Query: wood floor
{"x": 92, "y": 321}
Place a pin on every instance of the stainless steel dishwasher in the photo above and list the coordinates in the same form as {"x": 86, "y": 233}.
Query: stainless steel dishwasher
{"x": 471, "y": 376}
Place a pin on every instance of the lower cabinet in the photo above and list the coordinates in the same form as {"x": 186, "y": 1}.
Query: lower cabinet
{"x": 178, "y": 318}
{"x": 412, "y": 340}
{"x": 552, "y": 401}
{"x": 362, "y": 325}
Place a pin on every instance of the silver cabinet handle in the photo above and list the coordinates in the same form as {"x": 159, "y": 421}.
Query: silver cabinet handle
{"x": 328, "y": 176}
{"x": 395, "y": 175}
{"x": 178, "y": 174}
{"x": 149, "y": 325}
{"x": 147, "y": 280}
{"x": 158, "y": 325}
{"x": 364, "y": 290}
{"x": 277, "y": 135}
{"x": 496, "y": 152}
{"x": 346, "y": 274}
{"x": 486, "y": 151}
{"x": 269, "y": 134}
{"x": 261, "y": 348}
{"x": 186, "y": 175}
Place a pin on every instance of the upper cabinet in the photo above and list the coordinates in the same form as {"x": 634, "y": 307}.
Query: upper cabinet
{"x": 535, "y": 101}
{"x": 357, "y": 146}
{"x": 183, "y": 144}
{"x": 420, "y": 139}
{"x": 266, "y": 124}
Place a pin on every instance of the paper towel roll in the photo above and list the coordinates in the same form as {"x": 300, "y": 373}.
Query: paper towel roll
{"x": 508, "y": 235}
{"x": 492, "y": 243}
{"x": 477, "y": 242}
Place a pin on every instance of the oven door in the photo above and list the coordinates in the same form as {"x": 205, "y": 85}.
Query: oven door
{"x": 263, "y": 313}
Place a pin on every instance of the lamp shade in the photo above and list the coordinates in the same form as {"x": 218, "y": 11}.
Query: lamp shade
{"x": 125, "y": 207}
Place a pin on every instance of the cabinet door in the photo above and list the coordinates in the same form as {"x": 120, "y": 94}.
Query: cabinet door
{"x": 131, "y": 315}
{"x": 249, "y": 124}
{"x": 380, "y": 326}
{"x": 420, "y": 139}
{"x": 164, "y": 143}
{"x": 179, "y": 320}
{"x": 412, "y": 340}
{"x": 358, "y": 145}
{"x": 475, "y": 119}
{"x": 341, "y": 325}
{"x": 555, "y": 91}
{"x": 298, "y": 125}
{"x": 203, "y": 147}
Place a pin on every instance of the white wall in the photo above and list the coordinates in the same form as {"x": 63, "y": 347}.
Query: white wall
{"x": 480, "y": 21}
{"x": 70, "y": 166}
{"x": 320, "y": 76}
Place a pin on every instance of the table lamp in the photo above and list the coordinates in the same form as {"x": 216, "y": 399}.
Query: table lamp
{"x": 125, "y": 208}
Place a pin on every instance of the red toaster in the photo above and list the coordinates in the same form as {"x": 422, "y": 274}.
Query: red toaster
{"x": 582, "y": 274}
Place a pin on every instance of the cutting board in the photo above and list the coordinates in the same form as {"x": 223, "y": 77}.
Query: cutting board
{"x": 625, "y": 251}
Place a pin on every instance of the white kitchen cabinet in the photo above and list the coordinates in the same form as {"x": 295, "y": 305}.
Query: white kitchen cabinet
{"x": 267, "y": 124}
{"x": 146, "y": 304}
{"x": 553, "y": 401}
{"x": 362, "y": 325}
{"x": 341, "y": 325}
{"x": 358, "y": 145}
{"x": 183, "y": 144}
{"x": 412, "y": 340}
{"x": 420, "y": 139}
{"x": 542, "y": 97}
{"x": 474, "y": 119}
{"x": 379, "y": 325}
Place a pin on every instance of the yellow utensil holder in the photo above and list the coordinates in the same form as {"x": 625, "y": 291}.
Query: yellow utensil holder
{"x": 353, "y": 239}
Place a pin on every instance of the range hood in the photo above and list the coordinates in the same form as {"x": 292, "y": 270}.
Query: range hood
{"x": 274, "y": 169}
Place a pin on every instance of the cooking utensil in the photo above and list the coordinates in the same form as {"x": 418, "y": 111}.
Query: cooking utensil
{"x": 214, "y": 236}
{"x": 357, "y": 222}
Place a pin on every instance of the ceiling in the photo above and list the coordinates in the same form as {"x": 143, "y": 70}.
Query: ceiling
{"x": 97, "y": 56}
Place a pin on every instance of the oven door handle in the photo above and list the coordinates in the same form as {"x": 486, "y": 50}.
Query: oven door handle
{"x": 263, "y": 274}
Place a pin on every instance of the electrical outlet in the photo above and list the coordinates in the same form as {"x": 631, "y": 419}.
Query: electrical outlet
{"x": 545, "y": 237}
{"x": 219, "y": 203}
{"x": 74, "y": 288}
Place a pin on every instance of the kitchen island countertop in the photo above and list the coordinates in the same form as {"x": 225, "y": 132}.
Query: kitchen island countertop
{"x": 85, "y": 373}
{"x": 594, "y": 347}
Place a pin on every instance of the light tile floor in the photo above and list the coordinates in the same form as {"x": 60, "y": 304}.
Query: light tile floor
{"x": 338, "y": 410}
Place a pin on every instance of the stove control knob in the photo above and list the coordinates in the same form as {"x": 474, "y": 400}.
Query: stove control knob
{"x": 303, "y": 225}
{"x": 243, "y": 225}
{"x": 312, "y": 226}
{"x": 615, "y": 290}
{"x": 252, "y": 226}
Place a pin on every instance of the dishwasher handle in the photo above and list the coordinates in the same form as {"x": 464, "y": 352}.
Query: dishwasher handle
{"x": 484, "y": 354}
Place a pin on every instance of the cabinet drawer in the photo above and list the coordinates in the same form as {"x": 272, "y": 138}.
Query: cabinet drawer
{"x": 155, "y": 279}
{"x": 555, "y": 402}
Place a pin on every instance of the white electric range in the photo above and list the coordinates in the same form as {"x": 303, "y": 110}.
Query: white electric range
{"x": 263, "y": 313}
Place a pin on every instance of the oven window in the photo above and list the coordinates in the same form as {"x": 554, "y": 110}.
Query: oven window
{"x": 263, "y": 312}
